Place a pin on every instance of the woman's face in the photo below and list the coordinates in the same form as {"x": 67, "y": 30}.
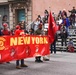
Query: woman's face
{"x": 5, "y": 27}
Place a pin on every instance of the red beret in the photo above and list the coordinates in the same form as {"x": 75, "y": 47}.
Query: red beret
{"x": 5, "y": 24}
{"x": 17, "y": 26}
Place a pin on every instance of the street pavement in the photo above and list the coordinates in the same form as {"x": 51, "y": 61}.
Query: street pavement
{"x": 61, "y": 63}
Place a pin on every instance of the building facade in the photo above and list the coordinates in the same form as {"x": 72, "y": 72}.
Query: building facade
{"x": 14, "y": 11}
{"x": 54, "y": 5}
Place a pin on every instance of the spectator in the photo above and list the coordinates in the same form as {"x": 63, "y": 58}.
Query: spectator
{"x": 73, "y": 10}
{"x": 24, "y": 24}
{"x": 36, "y": 23}
{"x": 66, "y": 23}
{"x": 72, "y": 16}
{"x": 64, "y": 13}
{"x": 46, "y": 15}
{"x": 59, "y": 14}
{"x": 5, "y": 30}
{"x": 70, "y": 45}
{"x": 63, "y": 35}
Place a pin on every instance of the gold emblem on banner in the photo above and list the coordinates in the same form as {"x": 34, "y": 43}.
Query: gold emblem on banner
{"x": 12, "y": 52}
{"x": 28, "y": 50}
{"x": 2, "y": 40}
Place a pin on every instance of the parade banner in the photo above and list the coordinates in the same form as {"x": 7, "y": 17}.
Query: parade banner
{"x": 19, "y": 47}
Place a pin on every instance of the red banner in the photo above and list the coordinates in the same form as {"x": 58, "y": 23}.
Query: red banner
{"x": 14, "y": 48}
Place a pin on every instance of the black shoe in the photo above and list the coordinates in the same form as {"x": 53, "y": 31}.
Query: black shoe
{"x": 24, "y": 65}
{"x": 46, "y": 59}
{"x": 1, "y": 63}
{"x": 40, "y": 61}
{"x": 8, "y": 62}
{"x": 54, "y": 52}
{"x": 36, "y": 61}
{"x": 18, "y": 67}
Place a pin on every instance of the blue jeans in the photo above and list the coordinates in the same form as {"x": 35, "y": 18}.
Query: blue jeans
{"x": 67, "y": 29}
{"x": 17, "y": 62}
{"x": 53, "y": 47}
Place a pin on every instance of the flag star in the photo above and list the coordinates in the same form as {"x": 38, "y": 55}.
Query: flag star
{"x": 53, "y": 24}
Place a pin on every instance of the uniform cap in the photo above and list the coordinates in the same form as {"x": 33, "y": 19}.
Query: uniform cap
{"x": 5, "y": 24}
{"x": 17, "y": 26}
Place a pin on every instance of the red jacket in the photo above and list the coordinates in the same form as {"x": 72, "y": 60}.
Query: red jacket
{"x": 19, "y": 32}
{"x": 5, "y": 32}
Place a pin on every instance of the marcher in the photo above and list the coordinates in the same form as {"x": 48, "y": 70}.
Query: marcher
{"x": 53, "y": 45}
{"x": 0, "y": 35}
{"x": 31, "y": 31}
{"x": 5, "y": 31}
{"x": 0, "y": 32}
{"x": 19, "y": 32}
{"x": 38, "y": 32}
{"x": 45, "y": 32}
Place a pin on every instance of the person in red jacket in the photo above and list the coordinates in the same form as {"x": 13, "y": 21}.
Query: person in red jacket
{"x": 5, "y": 31}
{"x": 19, "y": 32}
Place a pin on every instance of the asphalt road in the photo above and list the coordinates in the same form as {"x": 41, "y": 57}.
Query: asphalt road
{"x": 61, "y": 63}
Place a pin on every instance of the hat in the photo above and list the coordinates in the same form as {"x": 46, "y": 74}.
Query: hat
{"x": 17, "y": 26}
{"x": 5, "y": 24}
{"x": 64, "y": 9}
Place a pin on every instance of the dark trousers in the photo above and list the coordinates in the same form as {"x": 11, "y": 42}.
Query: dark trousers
{"x": 63, "y": 40}
{"x": 38, "y": 58}
{"x": 73, "y": 21}
{"x": 53, "y": 47}
{"x": 17, "y": 62}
